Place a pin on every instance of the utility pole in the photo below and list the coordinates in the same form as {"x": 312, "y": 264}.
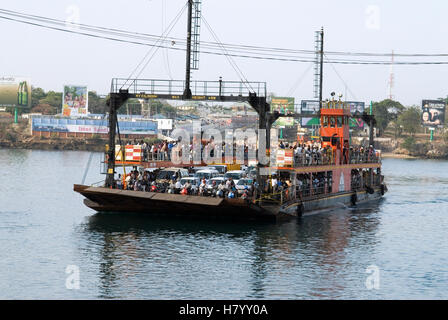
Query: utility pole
{"x": 321, "y": 66}
{"x": 391, "y": 78}
{"x": 187, "y": 91}
{"x": 318, "y": 65}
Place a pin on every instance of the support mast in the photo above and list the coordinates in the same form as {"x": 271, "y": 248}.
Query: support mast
{"x": 187, "y": 91}
{"x": 321, "y": 66}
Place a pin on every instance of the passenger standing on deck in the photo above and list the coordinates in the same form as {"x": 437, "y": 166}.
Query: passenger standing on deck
{"x": 202, "y": 187}
{"x": 156, "y": 152}
{"x": 119, "y": 183}
{"x": 221, "y": 190}
{"x": 170, "y": 147}
{"x": 274, "y": 184}
{"x": 371, "y": 153}
{"x": 178, "y": 186}
{"x": 145, "y": 181}
{"x": 144, "y": 151}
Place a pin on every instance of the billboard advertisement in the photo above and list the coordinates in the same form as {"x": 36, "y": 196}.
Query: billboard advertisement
{"x": 309, "y": 107}
{"x": 356, "y": 107}
{"x": 433, "y": 113}
{"x": 356, "y": 123}
{"x": 283, "y": 105}
{"x": 15, "y": 92}
{"x": 74, "y": 101}
{"x": 93, "y": 126}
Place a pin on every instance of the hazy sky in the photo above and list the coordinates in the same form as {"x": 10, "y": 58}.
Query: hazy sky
{"x": 51, "y": 58}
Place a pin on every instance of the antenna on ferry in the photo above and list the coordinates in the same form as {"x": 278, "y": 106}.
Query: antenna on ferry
{"x": 321, "y": 71}
{"x": 192, "y": 52}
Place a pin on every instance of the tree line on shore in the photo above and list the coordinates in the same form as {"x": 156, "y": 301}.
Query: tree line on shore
{"x": 404, "y": 124}
{"x": 50, "y": 103}
{"x": 390, "y": 115}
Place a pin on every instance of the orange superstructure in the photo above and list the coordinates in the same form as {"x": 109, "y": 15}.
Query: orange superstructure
{"x": 334, "y": 121}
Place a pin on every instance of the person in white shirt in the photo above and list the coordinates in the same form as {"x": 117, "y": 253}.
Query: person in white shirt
{"x": 274, "y": 184}
{"x": 178, "y": 186}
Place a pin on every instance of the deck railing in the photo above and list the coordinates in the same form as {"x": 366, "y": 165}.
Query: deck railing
{"x": 299, "y": 161}
{"x": 198, "y": 88}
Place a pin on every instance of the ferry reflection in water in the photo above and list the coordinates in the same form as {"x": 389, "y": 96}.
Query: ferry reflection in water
{"x": 140, "y": 256}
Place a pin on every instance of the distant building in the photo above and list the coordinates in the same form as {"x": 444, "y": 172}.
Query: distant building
{"x": 164, "y": 126}
{"x": 186, "y": 107}
{"x": 50, "y": 126}
{"x": 30, "y": 115}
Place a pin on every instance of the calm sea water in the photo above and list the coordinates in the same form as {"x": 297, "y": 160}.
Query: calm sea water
{"x": 44, "y": 227}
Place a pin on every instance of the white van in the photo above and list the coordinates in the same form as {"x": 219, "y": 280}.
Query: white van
{"x": 206, "y": 174}
{"x": 235, "y": 175}
{"x": 222, "y": 168}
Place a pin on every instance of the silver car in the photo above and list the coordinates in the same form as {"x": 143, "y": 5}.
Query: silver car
{"x": 243, "y": 184}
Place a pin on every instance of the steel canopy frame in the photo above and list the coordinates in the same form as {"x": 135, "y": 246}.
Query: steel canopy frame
{"x": 232, "y": 91}
{"x": 217, "y": 91}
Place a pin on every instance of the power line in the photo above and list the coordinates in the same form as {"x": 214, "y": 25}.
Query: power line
{"x": 299, "y": 81}
{"x": 165, "y": 56}
{"x": 231, "y": 61}
{"x": 240, "y": 51}
{"x": 340, "y": 77}
{"x": 212, "y": 44}
{"x": 154, "y": 49}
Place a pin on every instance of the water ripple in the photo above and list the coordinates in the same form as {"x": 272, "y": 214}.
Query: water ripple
{"x": 43, "y": 229}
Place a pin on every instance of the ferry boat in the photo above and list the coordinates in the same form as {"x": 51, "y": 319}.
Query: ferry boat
{"x": 342, "y": 176}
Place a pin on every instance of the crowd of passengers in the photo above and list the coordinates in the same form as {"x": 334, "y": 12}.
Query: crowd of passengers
{"x": 314, "y": 153}
{"x": 162, "y": 150}
{"x": 360, "y": 178}
{"x": 305, "y": 154}
{"x": 279, "y": 187}
{"x": 147, "y": 181}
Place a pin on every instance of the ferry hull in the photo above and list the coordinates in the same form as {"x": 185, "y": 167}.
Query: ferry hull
{"x": 113, "y": 200}
{"x": 320, "y": 204}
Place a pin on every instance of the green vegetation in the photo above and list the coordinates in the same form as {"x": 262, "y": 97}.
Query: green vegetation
{"x": 397, "y": 119}
{"x": 409, "y": 143}
{"x": 383, "y": 113}
{"x": 96, "y": 103}
{"x": 404, "y": 124}
{"x": 445, "y": 136}
{"x": 37, "y": 94}
{"x": 44, "y": 108}
{"x": 410, "y": 120}
{"x": 51, "y": 103}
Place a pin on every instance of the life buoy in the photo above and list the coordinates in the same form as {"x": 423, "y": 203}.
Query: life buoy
{"x": 354, "y": 198}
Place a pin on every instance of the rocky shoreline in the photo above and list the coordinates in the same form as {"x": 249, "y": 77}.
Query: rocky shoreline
{"x": 391, "y": 155}
{"x": 98, "y": 145}
{"x": 17, "y": 137}
{"x": 392, "y": 148}
{"x": 55, "y": 144}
